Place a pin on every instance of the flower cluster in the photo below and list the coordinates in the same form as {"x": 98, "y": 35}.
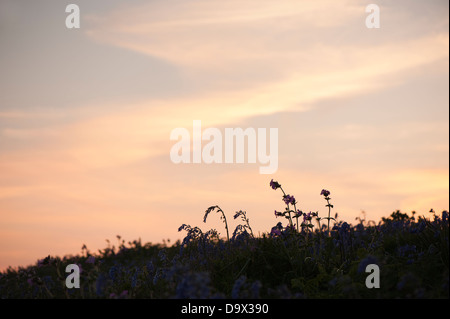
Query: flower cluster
{"x": 325, "y": 193}
{"x": 242, "y": 229}
{"x": 294, "y": 213}
{"x": 288, "y": 199}
{"x": 274, "y": 184}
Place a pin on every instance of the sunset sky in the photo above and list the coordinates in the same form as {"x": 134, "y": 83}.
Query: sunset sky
{"x": 86, "y": 114}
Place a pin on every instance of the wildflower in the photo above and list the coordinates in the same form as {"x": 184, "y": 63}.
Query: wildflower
{"x": 48, "y": 282}
{"x": 34, "y": 281}
{"x": 44, "y": 261}
{"x": 289, "y": 228}
{"x": 240, "y": 233}
{"x": 135, "y": 279}
{"x": 255, "y": 288}
{"x": 274, "y": 184}
{"x": 239, "y": 213}
{"x": 162, "y": 255}
{"x": 307, "y": 217}
{"x": 345, "y": 226}
{"x": 276, "y": 230}
{"x": 101, "y": 284}
{"x": 237, "y": 286}
{"x": 150, "y": 267}
{"x": 278, "y": 214}
{"x": 341, "y": 227}
{"x": 288, "y": 199}
{"x": 113, "y": 273}
{"x": 194, "y": 286}
{"x": 298, "y": 213}
{"x": 325, "y": 193}
{"x": 90, "y": 260}
{"x": 444, "y": 216}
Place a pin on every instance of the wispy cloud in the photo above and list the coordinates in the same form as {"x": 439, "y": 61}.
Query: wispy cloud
{"x": 233, "y": 39}
{"x": 215, "y": 33}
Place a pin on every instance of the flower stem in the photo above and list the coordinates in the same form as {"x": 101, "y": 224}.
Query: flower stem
{"x": 225, "y": 221}
{"x": 329, "y": 213}
{"x": 287, "y": 208}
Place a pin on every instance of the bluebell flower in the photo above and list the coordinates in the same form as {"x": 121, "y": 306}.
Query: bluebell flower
{"x": 100, "y": 284}
{"x": 90, "y": 260}
{"x": 237, "y": 286}
{"x": 255, "y": 289}
{"x": 325, "y": 193}
{"x": 298, "y": 213}
{"x": 278, "y": 214}
{"x": 345, "y": 227}
{"x": 162, "y": 255}
{"x": 274, "y": 184}
{"x": 194, "y": 286}
{"x": 365, "y": 262}
{"x": 113, "y": 271}
{"x": 406, "y": 251}
{"x": 445, "y": 216}
{"x": 134, "y": 280}
{"x": 289, "y": 199}
{"x": 150, "y": 267}
{"x": 276, "y": 230}
{"x": 156, "y": 277}
{"x": 307, "y": 217}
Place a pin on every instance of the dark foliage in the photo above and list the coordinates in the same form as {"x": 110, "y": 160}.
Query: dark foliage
{"x": 296, "y": 261}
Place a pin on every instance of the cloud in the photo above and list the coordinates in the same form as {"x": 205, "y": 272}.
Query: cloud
{"x": 284, "y": 36}
{"x": 139, "y": 130}
{"x": 216, "y": 34}
{"x": 224, "y": 44}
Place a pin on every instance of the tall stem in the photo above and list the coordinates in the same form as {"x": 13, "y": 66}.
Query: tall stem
{"x": 329, "y": 213}
{"x": 209, "y": 210}
{"x": 289, "y": 211}
{"x": 226, "y": 224}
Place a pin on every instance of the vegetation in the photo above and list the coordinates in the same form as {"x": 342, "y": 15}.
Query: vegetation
{"x": 308, "y": 258}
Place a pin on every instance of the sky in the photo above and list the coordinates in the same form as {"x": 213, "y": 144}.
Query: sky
{"x": 86, "y": 115}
